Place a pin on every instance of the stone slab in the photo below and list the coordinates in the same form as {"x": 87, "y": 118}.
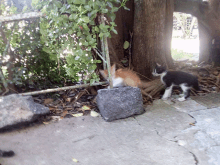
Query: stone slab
{"x": 203, "y": 139}
{"x": 161, "y": 136}
{"x": 92, "y": 141}
{"x": 211, "y": 100}
{"x": 165, "y": 120}
{"x": 186, "y": 106}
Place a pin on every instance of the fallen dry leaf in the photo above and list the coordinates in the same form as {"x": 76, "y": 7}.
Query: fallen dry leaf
{"x": 85, "y": 108}
{"x": 46, "y": 123}
{"x": 94, "y": 114}
{"x": 192, "y": 124}
{"x": 77, "y": 114}
{"x": 64, "y": 113}
{"x": 48, "y": 101}
{"x": 55, "y": 118}
{"x": 68, "y": 99}
{"x": 75, "y": 160}
{"x": 52, "y": 108}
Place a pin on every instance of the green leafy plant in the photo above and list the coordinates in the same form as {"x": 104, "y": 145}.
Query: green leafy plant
{"x": 27, "y": 62}
{"x": 58, "y": 46}
{"x": 180, "y": 54}
{"x": 72, "y": 26}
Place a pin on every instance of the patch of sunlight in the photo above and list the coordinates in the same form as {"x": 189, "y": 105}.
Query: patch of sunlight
{"x": 185, "y": 49}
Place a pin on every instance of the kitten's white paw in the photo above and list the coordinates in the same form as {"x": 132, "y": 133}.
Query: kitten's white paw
{"x": 181, "y": 99}
{"x": 181, "y": 95}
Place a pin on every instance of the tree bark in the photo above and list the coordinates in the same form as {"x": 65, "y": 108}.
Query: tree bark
{"x": 153, "y": 21}
{"x": 204, "y": 42}
{"x": 124, "y": 21}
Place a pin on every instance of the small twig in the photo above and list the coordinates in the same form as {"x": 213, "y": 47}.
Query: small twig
{"x": 106, "y": 52}
{"x": 131, "y": 35}
{"x": 143, "y": 75}
{"x": 100, "y": 55}
{"x": 204, "y": 89}
{"x": 214, "y": 84}
{"x": 157, "y": 89}
{"x": 80, "y": 94}
{"x": 101, "y": 20}
{"x": 60, "y": 89}
{"x": 146, "y": 94}
{"x": 13, "y": 90}
{"x": 194, "y": 92}
{"x": 218, "y": 79}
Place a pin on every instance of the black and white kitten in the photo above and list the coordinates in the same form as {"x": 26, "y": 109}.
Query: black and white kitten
{"x": 6, "y": 153}
{"x": 176, "y": 78}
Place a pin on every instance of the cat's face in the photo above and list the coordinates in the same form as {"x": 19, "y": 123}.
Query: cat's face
{"x": 158, "y": 70}
{"x": 104, "y": 73}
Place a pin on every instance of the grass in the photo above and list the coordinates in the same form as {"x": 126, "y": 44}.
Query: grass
{"x": 180, "y": 54}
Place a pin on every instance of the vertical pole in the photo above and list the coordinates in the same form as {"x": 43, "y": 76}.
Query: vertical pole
{"x": 106, "y": 53}
{"x": 101, "y": 21}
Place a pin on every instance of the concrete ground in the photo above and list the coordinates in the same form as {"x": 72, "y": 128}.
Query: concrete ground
{"x": 181, "y": 133}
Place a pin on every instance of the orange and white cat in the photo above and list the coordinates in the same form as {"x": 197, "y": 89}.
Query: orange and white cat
{"x": 122, "y": 77}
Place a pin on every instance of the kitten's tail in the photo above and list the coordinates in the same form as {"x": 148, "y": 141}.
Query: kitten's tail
{"x": 8, "y": 153}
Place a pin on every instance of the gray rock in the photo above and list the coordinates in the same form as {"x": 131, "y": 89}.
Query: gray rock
{"x": 118, "y": 103}
{"x": 16, "y": 109}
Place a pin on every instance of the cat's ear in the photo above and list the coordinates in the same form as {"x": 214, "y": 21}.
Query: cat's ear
{"x": 103, "y": 73}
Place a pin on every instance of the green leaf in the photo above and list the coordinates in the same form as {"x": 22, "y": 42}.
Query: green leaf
{"x": 86, "y": 43}
{"x": 113, "y": 23}
{"x": 88, "y": 38}
{"x": 86, "y": 19}
{"x": 92, "y": 14}
{"x": 87, "y": 7}
{"x": 70, "y": 32}
{"x": 79, "y": 2}
{"x": 92, "y": 81}
{"x": 126, "y": 44}
{"x": 96, "y": 29}
{"x": 110, "y": 4}
{"x": 112, "y": 16}
{"x": 73, "y": 16}
{"x": 98, "y": 61}
{"x": 115, "y": 31}
{"x": 24, "y": 9}
{"x": 126, "y": 8}
{"x": 85, "y": 27}
{"x": 101, "y": 35}
{"x": 58, "y": 4}
{"x": 114, "y": 9}
{"x": 104, "y": 10}
{"x": 107, "y": 34}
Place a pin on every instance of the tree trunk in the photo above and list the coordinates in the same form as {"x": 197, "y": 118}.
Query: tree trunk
{"x": 153, "y": 21}
{"x": 204, "y": 43}
{"x": 124, "y": 21}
